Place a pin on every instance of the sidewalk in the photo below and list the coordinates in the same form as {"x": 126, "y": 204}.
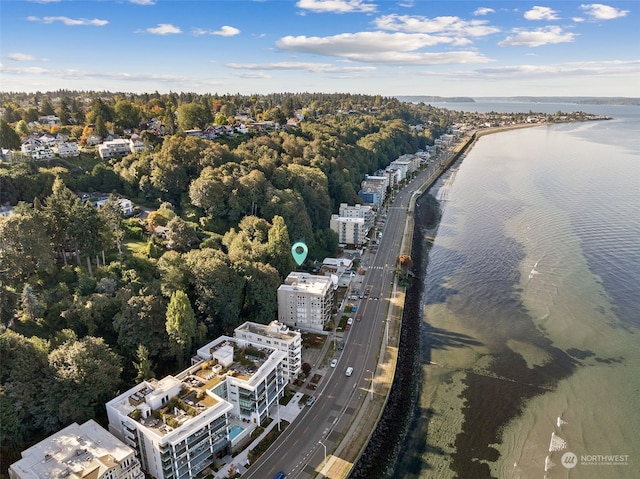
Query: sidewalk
{"x": 287, "y": 413}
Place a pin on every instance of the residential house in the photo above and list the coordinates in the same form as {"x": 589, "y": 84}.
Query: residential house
{"x": 113, "y": 148}
{"x": 67, "y": 149}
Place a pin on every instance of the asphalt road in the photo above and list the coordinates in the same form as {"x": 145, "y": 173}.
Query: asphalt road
{"x": 300, "y": 450}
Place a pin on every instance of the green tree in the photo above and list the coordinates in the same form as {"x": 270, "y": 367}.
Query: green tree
{"x": 173, "y": 275}
{"x": 25, "y": 248}
{"x": 22, "y": 128}
{"x": 29, "y": 304}
{"x": 141, "y": 321}
{"x": 47, "y": 108}
{"x": 86, "y": 374}
{"x": 180, "y": 235}
{"x": 8, "y": 137}
{"x": 193, "y": 115}
{"x": 143, "y": 364}
{"x": 260, "y": 303}
{"x": 279, "y": 247}
{"x": 101, "y": 128}
{"x": 113, "y": 219}
{"x": 126, "y": 114}
{"x": 218, "y": 286}
{"x": 24, "y": 389}
{"x": 63, "y": 112}
{"x": 57, "y": 210}
{"x": 181, "y": 324}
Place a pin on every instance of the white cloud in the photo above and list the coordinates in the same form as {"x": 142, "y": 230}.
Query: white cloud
{"x": 336, "y": 6}
{"x": 541, "y": 13}
{"x": 381, "y": 47}
{"x": 84, "y": 74}
{"x": 306, "y": 66}
{"x": 346, "y": 44}
{"x": 483, "y": 11}
{"x": 605, "y": 68}
{"x": 252, "y": 75}
{"x": 226, "y": 31}
{"x": 69, "y": 21}
{"x": 447, "y": 25}
{"x": 578, "y": 19}
{"x": 164, "y": 29}
{"x": 537, "y": 38}
{"x": 143, "y": 2}
{"x": 598, "y": 11}
{"x": 21, "y": 57}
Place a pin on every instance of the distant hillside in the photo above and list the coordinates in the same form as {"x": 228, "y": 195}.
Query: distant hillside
{"x": 578, "y": 100}
{"x": 435, "y": 99}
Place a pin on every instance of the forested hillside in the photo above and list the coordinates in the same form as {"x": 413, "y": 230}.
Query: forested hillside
{"x": 91, "y": 301}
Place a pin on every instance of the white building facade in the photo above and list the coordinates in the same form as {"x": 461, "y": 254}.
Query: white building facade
{"x": 182, "y": 424}
{"x": 351, "y": 231}
{"x": 279, "y": 336}
{"x": 78, "y": 452}
{"x": 305, "y": 301}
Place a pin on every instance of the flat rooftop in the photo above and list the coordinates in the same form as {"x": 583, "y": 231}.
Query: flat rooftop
{"x": 190, "y": 392}
{"x": 77, "y": 451}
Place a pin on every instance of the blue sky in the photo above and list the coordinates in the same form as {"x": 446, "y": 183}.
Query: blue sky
{"x": 404, "y": 47}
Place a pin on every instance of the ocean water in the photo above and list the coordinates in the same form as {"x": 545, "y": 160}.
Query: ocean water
{"x": 531, "y": 318}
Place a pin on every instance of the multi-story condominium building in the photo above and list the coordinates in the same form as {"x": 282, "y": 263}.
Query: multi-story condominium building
{"x": 359, "y": 211}
{"x": 374, "y": 189}
{"x": 78, "y": 452}
{"x": 305, "y": 301}
{"x": 351, "y": 231}
{"x": 278, "y": 336}
{"x": 182, "y": 424}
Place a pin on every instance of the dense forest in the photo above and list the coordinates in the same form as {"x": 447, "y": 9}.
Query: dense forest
{"x": 91, "y": 300}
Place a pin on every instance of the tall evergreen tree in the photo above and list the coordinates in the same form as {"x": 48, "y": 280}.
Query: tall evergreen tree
{"x": 181, "y": 324}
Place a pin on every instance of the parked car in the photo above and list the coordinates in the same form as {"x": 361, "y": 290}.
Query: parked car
{"x": 341, "y": 345}
{"x": 334, "y": 363}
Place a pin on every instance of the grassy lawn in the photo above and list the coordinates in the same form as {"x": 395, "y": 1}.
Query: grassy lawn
{"x": 137, "y": 247}
{"x": 313, "y": 340}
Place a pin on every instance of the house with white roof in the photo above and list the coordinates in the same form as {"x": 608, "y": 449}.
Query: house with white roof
{"x": 112, "y": 148}
{"x": 67, "y": 149}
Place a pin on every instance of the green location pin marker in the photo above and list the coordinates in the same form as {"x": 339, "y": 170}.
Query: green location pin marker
{"x": 299, "y": 252}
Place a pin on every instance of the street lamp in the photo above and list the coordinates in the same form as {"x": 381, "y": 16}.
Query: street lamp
{"x": 325, "y": 451}
{"x": 371, "y": 390}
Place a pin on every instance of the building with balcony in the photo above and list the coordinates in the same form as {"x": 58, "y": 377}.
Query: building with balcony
{"x": 305, "y": 301}
{"x": 278, "y": 336}
{"x": 182, "y": 424}
{"x": 78, "y": 452}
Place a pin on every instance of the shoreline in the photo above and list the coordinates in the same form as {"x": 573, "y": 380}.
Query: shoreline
{"x": 472, "y": 393}
{"x": 394, "y": 424}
